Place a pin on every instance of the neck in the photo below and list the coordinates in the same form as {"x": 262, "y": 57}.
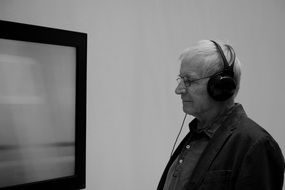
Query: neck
{"x": 211, "y": 115}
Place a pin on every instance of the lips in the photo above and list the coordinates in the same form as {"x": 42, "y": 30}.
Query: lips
{"x": 185, "y": 99}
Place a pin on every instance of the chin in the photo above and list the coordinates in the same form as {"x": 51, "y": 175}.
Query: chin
{"x": 188, "y": 111}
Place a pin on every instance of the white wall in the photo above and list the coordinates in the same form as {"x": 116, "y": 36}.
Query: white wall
{"x": 133, "y": 48}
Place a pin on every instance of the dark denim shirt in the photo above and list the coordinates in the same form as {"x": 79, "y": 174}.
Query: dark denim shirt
{"x": 182, "y": 168}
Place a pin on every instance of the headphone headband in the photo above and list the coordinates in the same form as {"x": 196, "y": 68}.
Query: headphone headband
{"x": 233, "y": 57}
{"x": 227, "y": 67}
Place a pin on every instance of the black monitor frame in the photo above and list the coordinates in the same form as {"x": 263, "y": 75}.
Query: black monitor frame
{"x": 44, "y": 35}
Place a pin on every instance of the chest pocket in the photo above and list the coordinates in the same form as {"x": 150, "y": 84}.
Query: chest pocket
{"x": 216, "y": 180}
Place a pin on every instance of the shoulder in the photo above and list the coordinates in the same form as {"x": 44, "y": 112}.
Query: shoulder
{"x": 255, "y": 143}
{"x": 245, "y": 127}
{"x": 249, "y": 133}
{"x": 249, "y": 128}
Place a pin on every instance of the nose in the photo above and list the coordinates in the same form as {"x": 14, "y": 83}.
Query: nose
{"x": 180, "y": 89}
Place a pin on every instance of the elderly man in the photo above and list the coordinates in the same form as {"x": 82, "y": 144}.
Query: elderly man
{"x": 224, "y": 148}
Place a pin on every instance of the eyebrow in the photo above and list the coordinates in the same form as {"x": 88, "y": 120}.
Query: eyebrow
{"x": 189, "y": 76}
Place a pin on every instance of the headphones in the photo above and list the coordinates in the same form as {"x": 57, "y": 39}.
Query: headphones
{"x": 221, "y": 86}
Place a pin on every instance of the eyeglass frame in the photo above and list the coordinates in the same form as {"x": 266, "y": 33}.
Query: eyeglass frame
{"x": 181, "y": 78}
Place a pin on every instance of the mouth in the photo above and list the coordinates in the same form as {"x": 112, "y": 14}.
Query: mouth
{"x": 186, "y": 101}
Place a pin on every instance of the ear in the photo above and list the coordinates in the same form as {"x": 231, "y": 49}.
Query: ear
{"x": 221, "y": 88}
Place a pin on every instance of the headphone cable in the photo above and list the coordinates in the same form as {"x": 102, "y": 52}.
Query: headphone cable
{"x": 178, "y": 135}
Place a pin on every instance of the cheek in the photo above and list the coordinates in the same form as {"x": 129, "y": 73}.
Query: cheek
{"x": 199, "y": 92}
{"x": 201, "y": 96}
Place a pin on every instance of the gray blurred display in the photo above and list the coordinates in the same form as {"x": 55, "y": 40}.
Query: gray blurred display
{"x": 37, "y": 109}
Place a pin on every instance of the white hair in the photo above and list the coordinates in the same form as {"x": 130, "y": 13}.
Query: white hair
{"x": 205, "y": 53}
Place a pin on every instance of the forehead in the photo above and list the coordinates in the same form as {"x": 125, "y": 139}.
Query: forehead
{"x": 192, "y": 67}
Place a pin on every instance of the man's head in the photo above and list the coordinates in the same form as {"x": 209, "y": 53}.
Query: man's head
{"x": 201, "y": 62}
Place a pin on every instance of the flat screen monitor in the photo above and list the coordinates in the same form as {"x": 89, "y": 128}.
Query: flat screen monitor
{"x": 42, "y": 107}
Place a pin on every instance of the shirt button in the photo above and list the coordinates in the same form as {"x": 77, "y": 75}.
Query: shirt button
{"x": 180, "y": 161}
{"x": 188, "y": 146}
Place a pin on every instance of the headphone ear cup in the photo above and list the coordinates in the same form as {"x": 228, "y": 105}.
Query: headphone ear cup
{"x": 221, "y": 88}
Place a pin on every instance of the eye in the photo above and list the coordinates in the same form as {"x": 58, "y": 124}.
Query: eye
{"x": 187, "y": 81}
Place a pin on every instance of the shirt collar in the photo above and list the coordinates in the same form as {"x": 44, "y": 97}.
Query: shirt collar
{"x": 210, "y": 129}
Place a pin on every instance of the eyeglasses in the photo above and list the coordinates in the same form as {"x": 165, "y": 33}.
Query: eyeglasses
{"x": 187, "y": 82}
